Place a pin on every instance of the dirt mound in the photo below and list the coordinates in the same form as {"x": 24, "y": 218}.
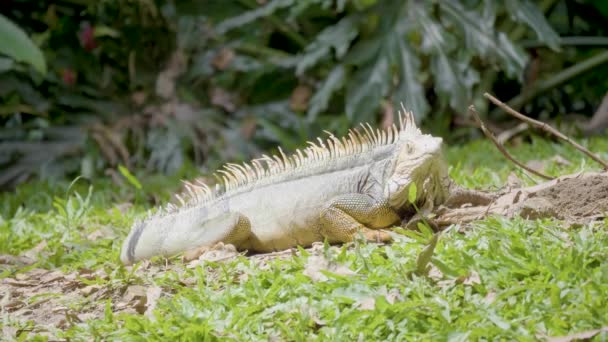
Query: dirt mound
{"x": 578, "y": 197}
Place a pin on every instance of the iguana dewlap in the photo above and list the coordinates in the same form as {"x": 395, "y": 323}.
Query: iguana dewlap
{"x": 334, "y": 189}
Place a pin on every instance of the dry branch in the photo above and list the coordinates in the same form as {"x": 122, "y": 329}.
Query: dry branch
{"x": 545, "y": 127}
{"x": 490, "y": 135}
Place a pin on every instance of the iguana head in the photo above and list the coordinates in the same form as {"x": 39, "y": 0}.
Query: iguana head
{"x": 418, "y": 159}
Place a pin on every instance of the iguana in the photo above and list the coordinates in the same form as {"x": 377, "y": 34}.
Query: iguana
{"x": 335, "y": 189}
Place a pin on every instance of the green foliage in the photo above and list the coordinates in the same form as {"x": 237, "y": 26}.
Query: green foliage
{"x": 158, "y": 84}
{"x": 16, "y": 44}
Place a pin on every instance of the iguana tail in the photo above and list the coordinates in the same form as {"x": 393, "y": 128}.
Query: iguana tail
{"x": 170, "y": 234}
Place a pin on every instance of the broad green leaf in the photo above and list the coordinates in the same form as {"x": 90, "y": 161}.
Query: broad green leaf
{"x": 514, "y": 56}
{"x": 481, "y": 37}
{"x": 337, "y": 37}
{"x": 6, "y": 64}
{"x": 129, "y": 176}
{"x": 410, "y": 90}
{"x": 478, "y": 33}
{"x": 251, "y": 16}
{"x": 434, "y": 37}
{"x": 527, "y": 12}
{"x": 412, "y": 193}
{"x": 366, "y": 89}
{"x": 16, "y": 44}
{"x": 448, "y": 81}
{"x": 320, "y": 100}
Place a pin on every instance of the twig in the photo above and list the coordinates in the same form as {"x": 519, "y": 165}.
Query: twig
{"x": 490, "y": 135}
{"x": 559, "y": 78}
{"x": 545, "y": 127}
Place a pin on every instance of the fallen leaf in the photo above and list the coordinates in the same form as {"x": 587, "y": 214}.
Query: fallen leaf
{"x": 471, "y": 279}
{"x": 368, "y": 303}
{"x": 584, "y": 335}
{"x": 13, "y": 305}
{"x": 392, "y": 296}
{"x": 513, "y": 182}
{"x": 52, "y": 277}
{"x": 537, "y": 165}
{"x": 33, "y": 253}
{"x": 152, "y": 295}
{"x": 316, "y": 264}
{"x": 89, "y": 290}
{"x": 7, "y": 259}
{"x": 136, "y": 297}
{"x": 559, "y": 160}
{"x": 218, "y": 252}
{"x": 435, "y": 273}
{"x": 490, "y": 297}
{"x": 19, "y": 283}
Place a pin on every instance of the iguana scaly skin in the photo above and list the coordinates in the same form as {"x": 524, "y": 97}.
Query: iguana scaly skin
{"x": 335, "y": 189}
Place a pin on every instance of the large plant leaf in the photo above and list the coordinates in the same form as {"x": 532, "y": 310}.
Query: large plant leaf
{"x": 434, "y": 38}
{"x": 481, "y": 37}
{"x": 366, "y": 89}
{"x": 525, "y": 11}
{"x": 16, "y": 44}
{"x": 448, "y": 81}
{"x": 410, "y": 90}
{"x": 333, "y": 82}
{"x": 338, "y": 37}
{"x": 253, "y": 15}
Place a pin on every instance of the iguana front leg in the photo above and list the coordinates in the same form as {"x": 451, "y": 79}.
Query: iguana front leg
{"x": 348, "y": 215}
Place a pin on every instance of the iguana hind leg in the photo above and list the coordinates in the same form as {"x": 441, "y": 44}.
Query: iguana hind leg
{"x": 236, "y": 233}
{"x": 352, "y": 214}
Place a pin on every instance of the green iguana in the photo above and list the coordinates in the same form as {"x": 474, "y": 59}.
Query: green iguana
{"x": 334, "y": 189}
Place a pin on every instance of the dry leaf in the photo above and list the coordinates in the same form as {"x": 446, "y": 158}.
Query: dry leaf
{"x": 392, "y": 296}
{"x": 316, "y": 264}
{"x": 490, "y": 297}
{"x": 152, "y": 295}
{"x": 218, "y": 252}
{"x": 52, "y": 277}
{"x": 89, "y": 290}
{"x": 139, "y": 97}
{"x": 222, "y": 60}
{"x": 368, "y": 303}
{"x": 298, "y": 101}
{"x": 7, "y": 259}
{"x": 165, "y": 83}
{"x": 471, "y": 279}
{"x": 33, "y": 253}
{"x": 584, "y": 335}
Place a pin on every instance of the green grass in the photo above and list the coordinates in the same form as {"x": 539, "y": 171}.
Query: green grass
{"x": 496, "y": 279}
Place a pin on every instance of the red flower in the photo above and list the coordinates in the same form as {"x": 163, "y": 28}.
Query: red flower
{"x": 87, "y": 36}
{"x": 68, "y": 76}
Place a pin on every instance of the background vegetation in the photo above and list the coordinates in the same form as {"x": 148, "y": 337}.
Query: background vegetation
{"x": 106, "y": 105}
{"x": 155, "y": 85}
